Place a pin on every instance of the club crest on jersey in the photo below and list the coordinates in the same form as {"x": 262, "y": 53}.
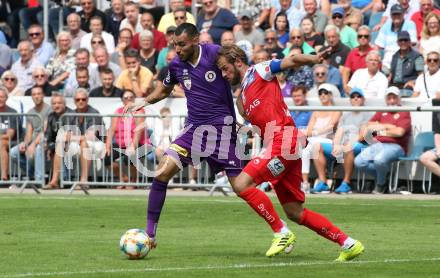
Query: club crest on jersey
{"x": 275, "y": 166}
{"x": 186, "y": 79}
{"x": 210, "y": 76}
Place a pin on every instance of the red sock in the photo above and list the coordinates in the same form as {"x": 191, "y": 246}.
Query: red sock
{"x": 259, "y": 201}
{"x": 322, "y": 226}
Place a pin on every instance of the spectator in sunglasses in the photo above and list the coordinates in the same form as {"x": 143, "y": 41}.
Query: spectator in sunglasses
{"x": 9, "y": 81}
{"x": 41, "y": 79}
{"x": 428, "y": 83}
{"x": 347, "y": 34}
{"x": 175, "y": 17}
{"x": 42, "y": 49}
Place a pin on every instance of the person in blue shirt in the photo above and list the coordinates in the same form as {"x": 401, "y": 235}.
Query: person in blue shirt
{"x": 301, "y": 118}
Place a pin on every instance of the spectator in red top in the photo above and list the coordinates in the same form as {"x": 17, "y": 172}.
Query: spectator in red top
{"x": 388, "y": 134}
{"x": 426, "y": 6}
{"x": 147, "y": 23}
{"x": 356, "y": 57}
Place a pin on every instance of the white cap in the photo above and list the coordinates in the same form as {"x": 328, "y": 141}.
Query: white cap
{"x": 331, "y": 88}
{"x": 392, "y": 90}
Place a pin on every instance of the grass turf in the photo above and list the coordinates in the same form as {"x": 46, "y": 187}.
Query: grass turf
{"x": 201, "y": 236}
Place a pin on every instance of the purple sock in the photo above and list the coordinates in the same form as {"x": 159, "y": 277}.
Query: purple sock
{"x": 156, "y": 199}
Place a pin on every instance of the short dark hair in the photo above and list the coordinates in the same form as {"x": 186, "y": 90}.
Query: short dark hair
{"x": 126, "y": 30}
{"x": 35, "y": 87}
{"x": 106, "y": 71}
{"x": 188, "y": 28}
{"x": 132, "y": 53}
{"x": 95, "y": 17}
{"x": 81, "y": 69}
{"x": 82, "y": 50}
{"x": 301, "y": 88}
{"x": 180, "y": 9}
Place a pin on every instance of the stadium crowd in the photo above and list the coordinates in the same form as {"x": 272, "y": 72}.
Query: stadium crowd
{"x": 379, "y": 50}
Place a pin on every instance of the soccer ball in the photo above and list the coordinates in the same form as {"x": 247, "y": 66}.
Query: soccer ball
{"x": 134, "y": 244}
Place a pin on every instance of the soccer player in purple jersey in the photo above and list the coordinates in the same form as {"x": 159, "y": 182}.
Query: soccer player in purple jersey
{"x": 210, "y": 110}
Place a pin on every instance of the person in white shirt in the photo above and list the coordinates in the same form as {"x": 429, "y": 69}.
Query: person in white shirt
{"x": 24, "y": 67}
{"x": 372, "y": 82}
{"x": 428, "y": 83}
{"x": 96, "y": 28}
{"x": 132, "y": 19}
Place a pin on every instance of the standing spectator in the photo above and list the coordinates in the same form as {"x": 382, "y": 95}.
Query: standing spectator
{"x": 147, "y": 23}
{"x": 96, "y": 27}
{"x": 430, "y": 37}
{"x": 132, "y": 19}
{"x": 28, "y": 15}
{"x": 42, "y": 49}
{"x": 177, "y": 8}
{"x": 41, "y": 79}
{"x": 428, "y": 83}
{"x": 114, "y": 17}
{"x": 147, "y": 52}
{"x": 215, "y": 20}
{"x": 426, "y": 7}
{"x": 300, "y": 75}
{"x": 281, "y": 26}
{"x": 107, "y": 89}
{"x": 135, "y": 78}
{"x": 347, "y": 34}
{"x": 387, "y": 37}
{"x": 8, "y": 132}
{"x": 301, "y": 118}
{"x": 370, "y": 80}
{"x": 271, "y": 45}
{"x": 356, "y": 57}
{"x": 311, "y": 37}
{"x": 74, "y": 27}
{"x": 102, "y": 62}
{"x": 319, "y": 19}
{"x": 9, "y": 81}
{"x": 248, "y": 32}
{"x": 339, "y": 51}
{"x": 63, "y": 62}
{"x": 347, "y": 143}
{"x": 89, "y": 11}
{"x": 24, "y": 67}
{"x": 406, "y": 64}
{"x": 297, "y": 40}
{"x": 392, "y": 131}
{"x": 124, "y": 43}
{"x": 30, "y": 152}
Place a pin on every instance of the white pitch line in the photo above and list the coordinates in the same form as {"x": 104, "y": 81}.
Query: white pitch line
{"x": 210, "y": 267}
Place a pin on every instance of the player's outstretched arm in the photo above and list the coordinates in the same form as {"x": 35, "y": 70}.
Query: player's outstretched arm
{"x": 299, "y": 60}
{"x": 159, "y": 93}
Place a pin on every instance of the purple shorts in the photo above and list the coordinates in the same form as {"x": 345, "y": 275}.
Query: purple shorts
{"x": 196, "y": 143}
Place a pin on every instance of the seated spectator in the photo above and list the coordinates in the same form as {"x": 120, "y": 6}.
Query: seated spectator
{"x": 89, "y": 11}
{"x": 177, "y": 9}
{"x": 248, "y": 32}
{"x": 428, "y": 83}
{"x": 319, "y": 18}
{"x": 124, "y": 43}
{"x": 147, "y": 52}
{"x": 42, "y": 49}
{"x": 311, "y": 37}
{"x": 347, "y": 34}
{"x": 406, "y": 64}
{"x": 352, "y": 15}
{"x": 63, "y": 62}
{"x": 90, "y": 148}
{"x": 126, "y": 133}
{"x": 102, "y": 60}
{"x": 227, "y": 38}
{"x": 147, "y": 22}
{"x": 300, "y": 75}
{"x": 419, "y": 17}
{"x": 281, "y": 26}
{"x": 178, "y": 91}
{"x": 135, "y": 78}
{"x": 339, "y": 51}
{"x": 132, "y": 18}
{"x": 301, "y": 118}
{"x": 297, "y": 40}
{"x": 370, "y": 80}
{"x": 215, "y": 20}
{"x": 82, "y": 60}
{"x": 9, "y": 81}
{"x": 261, "y": 56}
{"x": 83, "y": 81}
{"x": 321, "y": 76}
{"x": 161, "y": 59}
{"x": 408, "y": 8}
{"x": 286, "y": 86}
{"x": 74, "y": 29}
{"x": 347, "y": 142}
{"x": 205, "y": 38}
{"x": 5, "y": 57}
{"x": 356, "y": 57}
{"x": 9, "y": 128}
{"x": 24, "y": 67}
{"x": 41, "y": 79}
{"x": 430, "y": 36}
{"x": 271, "y": 45}
{"x": 319, "y": 130}
{"x": 107, "y": 89}
{"x": 260, "y": 11}
{"x": 391, "y": 131}
{"x": 97, "y": 28}
{"x": 114, "y": 17}
{"x": 29, "y": 154}
{"x": 430, "y": 159}
{"x": 387, "y": 38}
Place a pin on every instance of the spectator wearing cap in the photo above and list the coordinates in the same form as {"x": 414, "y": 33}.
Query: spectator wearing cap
{"x": 428, "y": 83}
{"x": 370, "y": 80}
{"x": 426, "y": 7}
{"x": 409, "y": 8}
{"x": 248, "y": 32}
{"x": 297, "y": 40}
{"x": 319, "y": 18}
{"x": 161, "y": 59}
{"x": 388, "y": 134}
{"x": 114, "y": 17}
{"x": 89, "y": 11}
{"x": 147, "y": 22}
{"x": 177, "y": 13}
{"x": 319, "y": 130}
{"x": 347, "y": 143}
{"x": 339, "y": 51}
{"x": 387, "y": 38}
{"x": 215, "y": 20}
{"x": 347, "y": 34}
{"x": 260, "y": 10}
{"x": 406, "y": 64}
{"x": 357, "y": 57}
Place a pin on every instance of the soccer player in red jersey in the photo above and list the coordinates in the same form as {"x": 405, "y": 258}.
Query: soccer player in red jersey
{"x": 261, "y": 103}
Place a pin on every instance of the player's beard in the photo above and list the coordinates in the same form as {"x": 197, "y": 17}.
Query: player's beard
{"x": 236, "y": 79}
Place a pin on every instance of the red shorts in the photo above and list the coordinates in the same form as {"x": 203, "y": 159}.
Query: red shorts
{"x": 285, "y": 176}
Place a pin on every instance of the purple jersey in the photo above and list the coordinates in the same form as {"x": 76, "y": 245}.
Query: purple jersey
{"x": 208, "y": 95}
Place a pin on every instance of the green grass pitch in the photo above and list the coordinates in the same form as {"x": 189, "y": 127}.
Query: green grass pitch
{"x": 56, "y": 236}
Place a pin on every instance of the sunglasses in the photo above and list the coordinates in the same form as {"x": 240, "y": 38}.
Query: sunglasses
{"x": 269, "y": 39}
{"x": 295, "y": 37}
{"x": 97, "y": 42}
{"x": 337, "y": 16}
{"x": 80, "y": 99}
{"x": 432, "y": 60}
{"x": 320, "y": 74}
{"x": 34, "y": 34}
{"x": 403, "y": 40}
{"x": 363, "y": 36}
{"x": 179, "y": 17}
{"x": 9, "y": 79}
{"x": 39, "y": 76}
{"x": 207, "y": 3}
{"x": 355, "y": 96}
{"x": 323, "y": 92}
